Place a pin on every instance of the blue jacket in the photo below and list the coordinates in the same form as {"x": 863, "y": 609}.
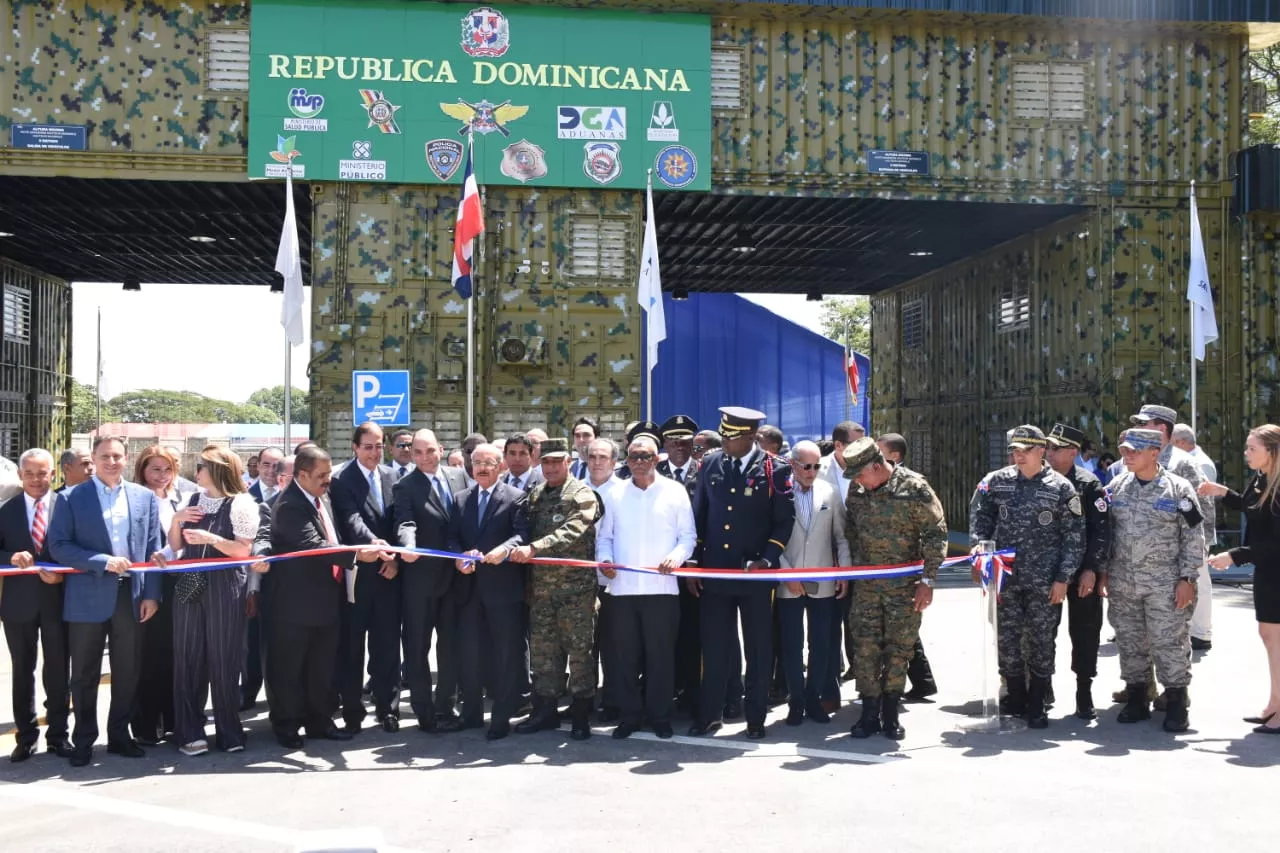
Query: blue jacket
{"x": 78, "y": 539}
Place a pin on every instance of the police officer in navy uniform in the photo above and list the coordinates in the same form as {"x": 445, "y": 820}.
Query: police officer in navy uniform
{"x": 744, "y": 513}
{"x": 677, "y": 441}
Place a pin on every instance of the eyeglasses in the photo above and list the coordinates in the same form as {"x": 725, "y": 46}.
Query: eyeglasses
{"x": 406, "y": 446}
{"x": 640, "y": 457}
{"x": 483, "y": 463}
{"x": 377, "y": 446}
{"x": 699, "y": 449}
{"x": 806, "y": 466}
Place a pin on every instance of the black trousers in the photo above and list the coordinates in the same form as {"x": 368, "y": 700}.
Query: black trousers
{"x": 688, "y": 652}
{"x": 207, "y": 656}
{"x": 300, "y": 670}
{"x": 1084, "y": 624}
{"x": 87, "y": 640}
{"x": 153, "y": 712}
{"x": 251, "y": 678}
{"x": 495, "y": 631}
{"x": 644, "y": 629}
{"x": 374, "y": 615}
{"x": 720, "y": 661}
{"x": 423, "y": 615}
{"x": 606, "y": 651}
{"x": 48, "y": 634}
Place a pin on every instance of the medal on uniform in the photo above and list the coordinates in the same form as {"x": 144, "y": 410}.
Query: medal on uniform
{"x": 1045, "y": 518}
{"x": 747, "y": 492}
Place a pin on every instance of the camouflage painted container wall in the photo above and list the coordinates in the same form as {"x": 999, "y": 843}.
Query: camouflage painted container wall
{"x": 1260, "y": 318}
{"x": 1079, "y": 323}
{"x": 35, "y": 361}
{"x": 555, "y": 315}
{"x": 137, "y": 74}
{"x": 821, "y": 90}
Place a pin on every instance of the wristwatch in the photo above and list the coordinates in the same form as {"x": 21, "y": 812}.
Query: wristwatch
{"x": 927, "y": 582}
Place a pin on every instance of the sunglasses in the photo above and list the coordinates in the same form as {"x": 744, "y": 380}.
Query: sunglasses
{"x": 404, "y": 446}
{"x": 806, "y": 466}
{"x": 640, "y": 457}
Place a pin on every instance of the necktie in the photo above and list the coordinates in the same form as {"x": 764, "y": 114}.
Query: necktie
{"x": 804, "y": 506}
{"x": 442, "y": 491}
{"x": 400, "y": 472}
{"x": 737, "y": 467}
{"x": 484, "y": 502}
{"x": 679, "y": 475}
{"x": 373, "y": 490}
{"x": 330, "y": 537}
{"x": 37, "y": 527}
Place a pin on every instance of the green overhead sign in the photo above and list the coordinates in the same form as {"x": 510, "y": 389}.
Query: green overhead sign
{"x": 395, "y": 91}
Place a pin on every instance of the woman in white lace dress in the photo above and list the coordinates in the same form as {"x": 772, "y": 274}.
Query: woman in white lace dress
{"x": 208, "y": 607}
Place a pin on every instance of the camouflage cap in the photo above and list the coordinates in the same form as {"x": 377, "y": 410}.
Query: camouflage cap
{"x": 1150, "y": 413}
{"x": 859, "y": 455}
{"x": 1143, "y": 439}
{"x": 1026, "y": 437}
{"x": 553, "y": 447}
{"x": 1066, "y": 436}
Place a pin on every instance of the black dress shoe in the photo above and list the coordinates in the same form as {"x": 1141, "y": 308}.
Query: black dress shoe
{"x": 732, "y": 710}
{"x": 1267, "y": 730}
{"x": 60, "y": 748}
{"x": 626, "y": 730}
{"x": 663, "y": 730}
{"x": 247, "y": 704}
{"x": 610, "y": 715}
{"x": 498, "y": 732}
{"x": 700, "y": 729}
{"x": 390, "y": 724}
{"x": 755, "y": 731}
{"x": 447, "y": 725}
{"x": 1258, "y": 721}
{"x": 81, "y": 756}
{"x": 428, "y": 724}
{"x": 22, "y": 752}
{"x": 1199, "y": 645}
{"x": 330, "y": 733}
{"x": 818, "y": 714}
{"x": 352, "y": 728}
{"x": 126, "y": 749}
{"x": 795, "y": 716}
{"x": 289, "y": 740}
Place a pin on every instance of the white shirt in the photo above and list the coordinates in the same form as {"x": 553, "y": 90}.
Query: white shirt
{"x": 686, "y": 469}
{"x": 399, "y": 472}
{"x": 643, "y": 527}
{"x": 831, "y": 471}
{"x": 268, "y": 492}
{"x": 375, "y": 485}
{"x": 47, "y": 500}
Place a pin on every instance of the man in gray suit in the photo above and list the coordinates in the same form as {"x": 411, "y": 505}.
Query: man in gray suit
{"x": 817, "y": 539}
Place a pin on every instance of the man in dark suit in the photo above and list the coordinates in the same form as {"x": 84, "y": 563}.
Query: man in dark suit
{"x": 31, "y": 610}
{"x": 101, "y": 527}
{"x": 424, "y": 500}
{"x": 487, "y": 523}
{"x": 306, "y": 595}
{"x": 362, "y": 503}
{"x": 584, "y": 432}
{"x": 517, "y": 453}
{"x": 744, "y": 513}
{"x": 266, "y": 486}
{"x": 264, "y": 490}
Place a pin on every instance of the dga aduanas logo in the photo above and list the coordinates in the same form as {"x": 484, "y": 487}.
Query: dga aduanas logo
{"x": 306, "y": 107}
{"x": 485, "y": 32}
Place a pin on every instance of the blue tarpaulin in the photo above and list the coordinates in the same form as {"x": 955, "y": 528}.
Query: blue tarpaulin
{"x": 723, "y": 350}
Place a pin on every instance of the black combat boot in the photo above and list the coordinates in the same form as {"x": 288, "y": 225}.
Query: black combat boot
{"x": 889, "y": 706}
{"x": 545, "y": 716}
{"x": 1175, "y": 717}
{"x": 1049, "y": 698}
{"x": 1014, "y": 702}
{"x": 1084, "y": 698}
{"x": 869, "y": 723}
{"x": 920, "y": 674}
{"x": 1137, "y": 706}
{"x": 580, "y": 717}
{"x": 1036, "y": 716}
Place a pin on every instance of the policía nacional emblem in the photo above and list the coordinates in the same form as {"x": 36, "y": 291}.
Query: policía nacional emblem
{"x": 602, "y": 161}
{"x": 676, "y": 166}
{"x": 483, "y": 117}
{"x": 485, "y": 32}
{"x": 444, "y": 156}
{"x": 524, "y": 161}
{"x": 382, "y": 113}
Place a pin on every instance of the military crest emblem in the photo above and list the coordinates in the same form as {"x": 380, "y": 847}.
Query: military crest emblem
{"x": 444, "y": 156}
{"x": 485, "y": 32}
{"x": 602, "y": 162}
{"x": 382, "y": 113}
{"x": 676, "y": 166}
{"x": 524, "y": 161}
{"x": 483, "y": 117}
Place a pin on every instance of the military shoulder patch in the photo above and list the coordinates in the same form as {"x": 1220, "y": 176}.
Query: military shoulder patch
{"x": 1101, "y": 504}
{"x": 1190, "y": 511}
{"x": 1074, "y": 505}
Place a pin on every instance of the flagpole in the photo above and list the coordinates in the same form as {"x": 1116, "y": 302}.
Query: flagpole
{"x": 648, "y": 368}
{"x": 1191, "y": 312}
{"x": 98, "y": 383}
{"x": 471, "y": 314}
{"x": 288, "y": 354}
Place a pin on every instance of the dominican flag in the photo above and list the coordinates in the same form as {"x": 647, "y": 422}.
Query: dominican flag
{"x": 470, "y": 226}
{"x": 851, "y": 367}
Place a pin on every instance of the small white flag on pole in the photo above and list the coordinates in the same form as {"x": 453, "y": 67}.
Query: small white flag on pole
{"x": 650, "y": 289}
{"x": 1204, "y": 326}
{"x": 289, "y": 265}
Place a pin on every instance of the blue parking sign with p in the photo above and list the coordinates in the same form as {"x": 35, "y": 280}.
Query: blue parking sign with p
{"x": 380, "y": 396}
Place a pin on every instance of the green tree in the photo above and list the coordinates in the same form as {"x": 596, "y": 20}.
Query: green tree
{"x": 177, "y": 407}
{"x": 273, "y": 399}
{"x": 847, "y": 319}
{"x": 84, "y": 407}
{"x": 1264, "y": 67}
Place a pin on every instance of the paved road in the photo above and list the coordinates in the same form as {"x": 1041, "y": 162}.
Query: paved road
{"x": 1097, "y": 786}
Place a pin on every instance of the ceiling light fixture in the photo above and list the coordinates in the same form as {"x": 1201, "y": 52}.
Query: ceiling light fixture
{"x": 132, "y": 283}
{"x": 203, "y": 238}
{"x": 920, "y": 254}
{"x": 679, "y": 294}
{"x": 6, "y": 234}
{"x": 746, "y": 240}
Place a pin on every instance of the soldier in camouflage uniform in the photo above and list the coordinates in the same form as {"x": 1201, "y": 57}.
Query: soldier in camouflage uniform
{"x": 562, "y": 515}
{"x": 893, "y": 517}
{"x": 1035, "y": 511}
{"x": 1151, "y": 577}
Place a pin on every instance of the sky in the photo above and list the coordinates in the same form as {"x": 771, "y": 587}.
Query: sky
{"x": 222, "y": 341}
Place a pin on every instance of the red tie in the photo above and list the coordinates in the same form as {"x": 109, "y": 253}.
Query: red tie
{"x": 37, "y": 527}
{"x": 330, "y": 536}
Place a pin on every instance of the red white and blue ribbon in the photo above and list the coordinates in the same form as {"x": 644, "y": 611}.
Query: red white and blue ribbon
{"x": 997, "y": 566}
{"x": 902, "y": 570}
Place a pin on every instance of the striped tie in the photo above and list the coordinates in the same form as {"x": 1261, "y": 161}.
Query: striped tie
{"x": 37, "y": 527}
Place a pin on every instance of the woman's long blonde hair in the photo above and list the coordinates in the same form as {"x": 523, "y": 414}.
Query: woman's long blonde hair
{"x": 1269, "y": 436}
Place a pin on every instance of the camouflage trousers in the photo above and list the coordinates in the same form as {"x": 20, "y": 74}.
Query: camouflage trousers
{"x": 885, "y": 624}
{"x": 1149, "y": 628}
{"x": 1028, "y": 626}
{"x": 562, "y": 625}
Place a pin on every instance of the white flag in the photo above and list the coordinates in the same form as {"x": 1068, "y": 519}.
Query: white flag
{"x": 289, "y": 265}
{"x": 650, "y": 290}
{"x": 1204, "y": 326}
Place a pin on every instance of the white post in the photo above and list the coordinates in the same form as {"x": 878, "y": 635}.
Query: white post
{"x": 1191, "y": 307}
{"x": 471, "y": 360}
{"x": 288, "y": 393}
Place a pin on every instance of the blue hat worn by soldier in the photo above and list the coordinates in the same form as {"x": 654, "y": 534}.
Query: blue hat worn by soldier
{"x": 1026, "y": 437}
{"x": 1143, "y": 439}
{"x": 1065, "y": 436}
{"x": 736, "y": 421}
{"x": 1150, "y": 413}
